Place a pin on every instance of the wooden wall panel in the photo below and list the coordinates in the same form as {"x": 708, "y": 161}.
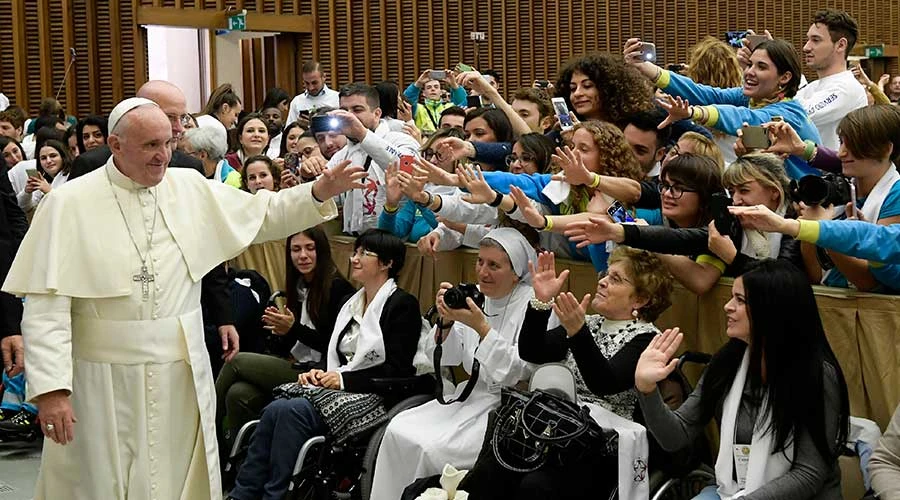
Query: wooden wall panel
{"x": 374, "y": 40}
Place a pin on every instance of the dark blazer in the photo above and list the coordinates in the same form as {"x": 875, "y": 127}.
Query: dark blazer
{"x": 317, "y": 338}
{"x": 13, "y": 226}
{"x": 96, "y": 158}
{"x": 401, "y": 326}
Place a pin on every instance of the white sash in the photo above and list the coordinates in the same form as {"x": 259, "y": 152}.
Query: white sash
{"x": 302, "y": 352}
{"x": 763, "y": 466}
{"x": 370, "y": 344}
{"x": 633, "y": 476}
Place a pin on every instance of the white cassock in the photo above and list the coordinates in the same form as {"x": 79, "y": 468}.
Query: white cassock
{"x": 418, "y": 442}
{"x": 138, "y": 370}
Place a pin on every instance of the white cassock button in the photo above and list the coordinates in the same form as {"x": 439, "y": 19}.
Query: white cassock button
{"x": 150, "y": 374}
{"x": 155, "y": 316}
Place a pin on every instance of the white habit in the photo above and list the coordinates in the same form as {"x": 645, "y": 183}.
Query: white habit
{"x": 138, "y": 370}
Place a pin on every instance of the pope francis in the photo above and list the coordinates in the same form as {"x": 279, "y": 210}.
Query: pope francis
{"x": 110, "y": 271}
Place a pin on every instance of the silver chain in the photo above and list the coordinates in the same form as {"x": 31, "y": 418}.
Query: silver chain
{"x": 125, "y": 219}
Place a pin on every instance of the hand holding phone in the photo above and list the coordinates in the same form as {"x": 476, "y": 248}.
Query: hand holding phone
{"x": 461, "y": 68}
{"x": 32, "y": 172}
{"x": 618, "y": 213}
{"x": 407, "y": 163}
{"x": 755, "y": 137}
{"x": 648, "y": 52}
{"x": 753, "y": 41}
{"x": 562, "y": 113}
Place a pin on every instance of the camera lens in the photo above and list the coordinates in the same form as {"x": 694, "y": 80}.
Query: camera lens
{"x": 455, "y": 299}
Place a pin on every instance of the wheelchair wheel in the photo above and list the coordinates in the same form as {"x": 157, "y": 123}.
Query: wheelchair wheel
{"x": 682, "y": 488}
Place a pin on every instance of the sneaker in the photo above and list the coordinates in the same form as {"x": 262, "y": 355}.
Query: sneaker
{"x": 22, "y": 426}
{"x": 6, "y": 414}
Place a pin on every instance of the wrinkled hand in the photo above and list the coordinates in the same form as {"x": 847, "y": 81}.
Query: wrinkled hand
{"x": 471, "y": 178}
{"x": 313, "y": 167}
{"x": 761, "y": 218}
{"x": 721, "y": 245}
{"x": 288, "y": 179}
{"x": 350, "y": 125}
{"x": 413, "y": 131}
{"x": 598, "y": 229}
{"x": 532, "y": 216}
{"x": 472, "y": 316}
{"x": 573, "y": 169}
{"x": 544, "y": 281}
{"x": 55, "y": 409}
{"x": 428, "y": 244}
{"x": 334, "y": 181}
{"x": 277, "y": 322}
{"x": 656, "y": 362}
{"x": 231, "y": 345}
{"x": 570, "y": 312}
{"x": 678, "y": 109}
{"x": 13, "y": 354}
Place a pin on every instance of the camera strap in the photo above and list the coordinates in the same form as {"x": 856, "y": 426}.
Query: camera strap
{"x": 439, "y": 388}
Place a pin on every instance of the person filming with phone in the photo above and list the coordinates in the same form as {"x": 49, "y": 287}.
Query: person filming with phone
{"x": 428, "y": 87}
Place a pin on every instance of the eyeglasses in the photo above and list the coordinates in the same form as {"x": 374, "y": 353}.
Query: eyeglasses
{"x": 614, "y": 278}
{"x": 361, "y": 252}
{"x": 674, "y": 151}
{"x": 525, "y": 158}
{"x": 185, "y": 119}
{"x": 428, "y": 154}
{"x": 675, "y": 191}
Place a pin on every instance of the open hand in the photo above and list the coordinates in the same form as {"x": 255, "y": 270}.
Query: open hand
{"x": 471, "y": 178}
{"x": 338, "y": 179}
{"x": 573, "y": 169}
{"x": 533, "y": 217}
{"x": 599, "y": 229}
{"x": 435, "y": 174}
{"x": 570, "y": 312}
{"x": 277, "y": 322}
{"x": 656, "y": 362}
{"x": 678, "y": 108}
{"x": 544, "y": 281}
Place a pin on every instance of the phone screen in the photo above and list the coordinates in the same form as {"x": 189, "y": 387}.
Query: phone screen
{"x": 438, "y": 75}
{"x": 562, "y": 112}
{"x": 31, "y": 172}
{"x": 618, "y": 213}
{"x": 473, "y": 101}
{"x": 291, "y": 162}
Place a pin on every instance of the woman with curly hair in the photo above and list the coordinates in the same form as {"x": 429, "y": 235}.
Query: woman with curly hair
{"x": 714, "y": 63}
{"x": 594, "y": 87}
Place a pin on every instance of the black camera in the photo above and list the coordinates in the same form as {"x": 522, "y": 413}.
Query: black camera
{"x": 455, "y": 297}
{"x": 829, "y": 189}
{"x": 726, "y": 223}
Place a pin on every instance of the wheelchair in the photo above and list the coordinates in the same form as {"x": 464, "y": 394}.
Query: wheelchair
{"x": 326, "y": 470}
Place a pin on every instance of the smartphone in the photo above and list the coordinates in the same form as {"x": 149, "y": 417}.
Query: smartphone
{"x": 726, "y": 223}
{"x": 648, "y": 52}
{"x": 734, "y": 38}
{"x": 407, "y": 163}
{"x": 473, "y": 101}
{"x": 543, "y": 83}
{"x": 438, "y": 75}
{"x": 292, "y": 162}
{"x": 852, "y": 183}
{"x": 618, "y": 213}
{"x": 753, "y": 41}
{"x": 755, "y": 137}
{"x": 32, "y": 172}
{"x": 464, "y": 67}
{"x": 562, "y": 112}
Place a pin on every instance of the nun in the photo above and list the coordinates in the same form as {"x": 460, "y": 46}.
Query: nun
{"x": 418, "y": 442}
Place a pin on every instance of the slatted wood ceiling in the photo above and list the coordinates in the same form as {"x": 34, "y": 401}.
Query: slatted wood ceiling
{"x": 374, "y": 40}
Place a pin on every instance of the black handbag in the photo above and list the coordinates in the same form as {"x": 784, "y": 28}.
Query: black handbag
{"x": 538, "y": 428}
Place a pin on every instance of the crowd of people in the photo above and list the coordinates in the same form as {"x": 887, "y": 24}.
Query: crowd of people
{"x": 155, "y": 340}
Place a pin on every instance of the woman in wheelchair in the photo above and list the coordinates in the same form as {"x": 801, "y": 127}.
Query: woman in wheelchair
{"x": 776, "y": 386}
{"x": 316, "y": 291}
{"x": 420, "y": 441}
{"x": 602, "y": 349}
{"x": 375, "y": 336}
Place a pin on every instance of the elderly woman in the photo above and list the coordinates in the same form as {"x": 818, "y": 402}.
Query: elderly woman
{"x": 375, "y": 335}
{"x": 208, "y": 146}
{"x": 418, "y": 442}
{"x": 601, "y": 349}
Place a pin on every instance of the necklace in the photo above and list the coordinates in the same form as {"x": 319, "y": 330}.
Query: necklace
{"x": 144, "y": 277}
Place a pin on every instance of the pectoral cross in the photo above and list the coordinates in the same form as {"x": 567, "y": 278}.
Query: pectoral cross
{"x": 145, "y": 278}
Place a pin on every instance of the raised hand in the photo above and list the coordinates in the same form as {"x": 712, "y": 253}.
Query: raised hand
{"x": 312, "y": 167}
{"x": 570, "y": 312}
{"x": 435, "y": 174}
{"x": 532, "y": 216}
{"x": 720, "y": 244}
{"x": 678, "y": 108}
{"x": 454, "y": 148}
{"x": 471, "y": 179}
{"x": 544, "y": 281}
{"x": 393, "y": 193}
{"x": 338, "y": 179}
{"x": 656, "y": 362}
{"x": 785, "y": 140}
{"x": 573, "y": 170}
{"x": 598, "y": 229}
{"x": 413, "y": 131}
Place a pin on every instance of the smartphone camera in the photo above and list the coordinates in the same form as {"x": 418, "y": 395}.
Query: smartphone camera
{"x": 648, "y": 52}
{"x": 562, "y": 113}
{"x": 473, "y": 101}
{"x": 438, "y": 75}
{"x": 755, "y": 137}
{"x": 325, "y": 123}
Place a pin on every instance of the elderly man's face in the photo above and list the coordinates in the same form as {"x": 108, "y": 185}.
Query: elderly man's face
{"x": 142, "y": 148}
{"x": 175, "y": 108}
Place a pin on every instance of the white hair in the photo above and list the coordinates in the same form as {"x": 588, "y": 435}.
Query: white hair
{"x": 207, "y": 139}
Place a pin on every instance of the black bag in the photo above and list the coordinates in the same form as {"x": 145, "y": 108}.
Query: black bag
{"x": 538, "y": 428}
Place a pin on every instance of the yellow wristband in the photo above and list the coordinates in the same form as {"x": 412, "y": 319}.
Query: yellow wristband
{"x": 595, "y": 182}
{"x": 390, "y": 210}
{"x": 549, "y": 224}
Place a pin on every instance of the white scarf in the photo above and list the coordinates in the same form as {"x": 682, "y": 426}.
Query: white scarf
{"x": 370, "y": 344}
{"x": 302, "y": 352}
{"x": 761, "y": 245}
{"x": 763, "y": 466}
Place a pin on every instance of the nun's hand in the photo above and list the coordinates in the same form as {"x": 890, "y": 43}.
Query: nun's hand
{"x": 472, "y": 316}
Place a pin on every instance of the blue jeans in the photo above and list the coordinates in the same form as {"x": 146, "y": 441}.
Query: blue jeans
{"x": 285, "y": 425}
{"x": 708, "y": 493}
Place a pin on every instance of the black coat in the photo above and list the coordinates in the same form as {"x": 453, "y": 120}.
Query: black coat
{"x": 96, "y": 158}
{"x": 13, "y": 226}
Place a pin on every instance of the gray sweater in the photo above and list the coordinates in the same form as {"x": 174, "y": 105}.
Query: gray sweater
{"x": 809, "y": 476}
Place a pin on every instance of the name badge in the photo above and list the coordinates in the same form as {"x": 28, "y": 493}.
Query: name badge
{"x": 741, "y": 460}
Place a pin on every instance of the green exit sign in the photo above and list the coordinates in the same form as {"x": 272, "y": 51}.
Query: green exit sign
{"x": 875, "y": 51}
{"x": 238, "y": 22}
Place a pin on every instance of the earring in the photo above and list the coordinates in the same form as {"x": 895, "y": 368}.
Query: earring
{"x": 634, "y": 313}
